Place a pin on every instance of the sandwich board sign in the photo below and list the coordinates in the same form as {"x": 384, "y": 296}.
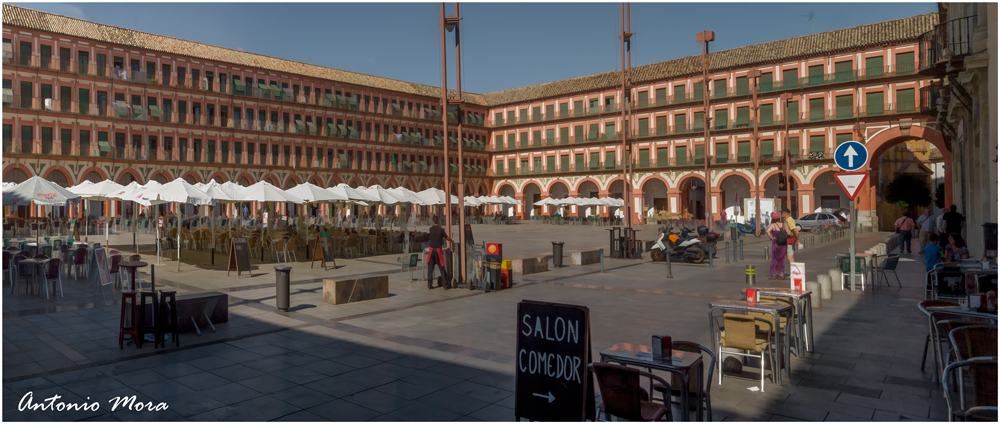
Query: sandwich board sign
{"x": 239, "y": 257}
{"x": 323, "y": 251}
{"x": 552, "y": 382}
{"x": 851, "y": 182}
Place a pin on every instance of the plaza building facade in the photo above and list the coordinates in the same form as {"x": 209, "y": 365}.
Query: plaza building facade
{"x": 87, "y": 101}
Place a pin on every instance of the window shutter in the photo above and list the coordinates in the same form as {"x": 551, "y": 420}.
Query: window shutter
{"x": 766, "y": 83}
{"x": 905, "y": 100}
{"x": 816, "y": 112}
{"x": 578, "y": 159}
{"x": 593, "y": 133}
{"x": 550, "y": 137}
{"x": 564, "y": 135}
{"x": 793, "y": 146}
{"x": 793, "y": 112}
{"x": 595, "y": 160}
{"x": 680, "y": 155}
{"x": 661, "y": 96}
{"x": 874, "y": 67}
{"x": 817, "y": 143}
{"x": 679, "y": 122}
{"x": 743, "y": 151}
{"x": 679, "y": 93}
{"x": 721, "y": 152}
{"x": 766, "y": 113}
{"x": 499, "y": 167}
{"x": 742, "y": 86}
{"x": 698, "y": 91}
{"x": 904, "y": 62}
{"x": 643, "y": 127}
{"x": 721, "y": 119}
{"x": 843, "y": 138}
{"x": 578, "y": 132}
{"x": 843, "y": 71}
{"x": 564, "y": 162}
{"x": 644, "y": 158}
{"x": 874, "y": 103}
{"x": 816, "y": 75}
{"x": 767, "y": 148}
{"x": 643, "y": 98}
{"x": 661, "y": 124}
{"x": 742, "y": 116}
{"x": 790, "y": 78}
{"x": 719, "y": 89}
{"x": 609, "y": 160}
{"x": 550, "y": 163}
{"x": 536, "y": 113}
{"x": 845, "y": 107}
{"x": 699, "y": 121}
{"x": 699, "y": 152}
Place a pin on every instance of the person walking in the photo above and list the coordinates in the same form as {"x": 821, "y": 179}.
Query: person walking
{"x": 953, "y": 221}
{"x": 436, "y": 256}
{"x": 793, "y": 233}
{"x": 778, "y": 251}
{"x": 926, "y": 226}
{"x": 904, "y": 227}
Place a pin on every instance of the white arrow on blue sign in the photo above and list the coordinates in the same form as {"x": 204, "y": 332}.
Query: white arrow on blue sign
{"x": 851, "y": 155}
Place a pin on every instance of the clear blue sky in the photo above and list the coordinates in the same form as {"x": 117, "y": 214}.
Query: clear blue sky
{"x": 507, "y": 45}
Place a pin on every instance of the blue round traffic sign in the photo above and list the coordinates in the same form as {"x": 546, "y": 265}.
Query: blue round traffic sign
{"x": 851, "y": 155}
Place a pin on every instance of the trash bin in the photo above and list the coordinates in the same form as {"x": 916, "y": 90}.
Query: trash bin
{"x": 282, "y": 275}
{"x": 557, "y": 253}
{"x": 494, "y": 275}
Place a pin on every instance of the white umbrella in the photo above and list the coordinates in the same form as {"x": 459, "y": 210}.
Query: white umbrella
{"x": 510, "y": 200}
{"x": 311, "y": 193}
{"x": 266, "y": 192}
{"x": 435, "y": 196}
{"x": 353, "y": 194}
{"x": 178, "y": 191}
{"x": 382, "y": 195}
{"x": 472, "y": 201}
{"x": 97, "y": 191}
{"x": 222, "y": 193}
{"x": 544, "y": 202}
{"x": 7, "y": 184}
{"x": 40, "y": 191}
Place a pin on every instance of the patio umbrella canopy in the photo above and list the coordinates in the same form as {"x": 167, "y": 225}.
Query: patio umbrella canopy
{"x": 178, "y": 191}
{"x": 39, "y": 190}
{"x": 266, "y": 192}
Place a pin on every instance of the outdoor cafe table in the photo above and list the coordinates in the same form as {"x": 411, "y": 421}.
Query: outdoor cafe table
{"x": 680, "y": 363}
{"x": 39, "y": 271}
{"x": 775, "y": 309}
{"x": 803, "y": 308}
{"x": 871, "y": 259}
{"x": 131, "y": 266}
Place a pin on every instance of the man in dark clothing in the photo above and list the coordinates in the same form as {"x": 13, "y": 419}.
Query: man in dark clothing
{"x": 953, "y": 221}
{"x": 436, "y": 256}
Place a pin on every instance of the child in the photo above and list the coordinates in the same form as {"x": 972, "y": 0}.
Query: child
{"x": 932, "y": 252}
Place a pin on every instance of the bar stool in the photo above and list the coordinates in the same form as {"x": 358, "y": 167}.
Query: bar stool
{"x": 144, "y": 328}
{"x": 168, "y": 300}
{"x": 132, "y": 328}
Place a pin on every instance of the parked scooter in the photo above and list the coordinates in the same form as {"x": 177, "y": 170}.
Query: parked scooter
{"x": 748, "y": 227}
{"x": 680, "y": 247}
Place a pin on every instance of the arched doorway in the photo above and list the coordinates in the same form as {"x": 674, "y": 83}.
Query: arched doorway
{"x": 126, "y": 178}
{"x": 508, "y": 191}
{"x": 588, "y": 189}
{"x": 654, "y": 196}
{"x": 532, "y": 195}
{"x": 558, "y": 190}
{"x": 93, "y": 177}
{"x": 733, "y": 189}
{"x": 692, "y": 198}
{"x": 829, "y": 195}
{"x": 161, "y": 178}
{"x": 16, "y": 176}
{"x": 60, "y": 179}
{"x": 775, "y": 188}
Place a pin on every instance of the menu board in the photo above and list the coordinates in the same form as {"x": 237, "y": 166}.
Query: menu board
{"x": 103, "y": 271}
{"x": 323, "y": 251}
{"x": 239, "y": 256}
{"x": 552, "y": 382}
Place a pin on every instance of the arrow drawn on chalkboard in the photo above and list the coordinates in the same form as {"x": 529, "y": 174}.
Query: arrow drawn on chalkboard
{"x": 550, "y": 397}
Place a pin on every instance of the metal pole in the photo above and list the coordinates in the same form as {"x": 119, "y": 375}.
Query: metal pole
{"x": 602, "y": 260}
{"x": 458, "y": 137}
{"x": 788, "y": 154}
{"x": 755, "y": 139}
{"x": 670, "y": 272}
{"x": 853, "y": 225}
{"x": 741, "y": 249}
{"x": 727, "y": 252}
{"x": 444, "y": 123}
{"x": 627, "y": 157}
{"x": 704, "y": 38}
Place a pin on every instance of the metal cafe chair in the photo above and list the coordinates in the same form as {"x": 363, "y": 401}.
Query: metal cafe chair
{"x": 622, "y": 395}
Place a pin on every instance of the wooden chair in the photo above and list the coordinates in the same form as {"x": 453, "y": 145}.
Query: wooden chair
{"x": 622, "y": 395}
{"x": 290, "y": 246}
{"x": 279, "y": 250}
{"x": 741, "y": 332}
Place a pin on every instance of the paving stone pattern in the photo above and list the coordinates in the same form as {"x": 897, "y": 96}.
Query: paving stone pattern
{"x": 434, "y": 355}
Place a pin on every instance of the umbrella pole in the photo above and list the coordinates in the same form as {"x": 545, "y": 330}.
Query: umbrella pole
{"x": 179, "y": 215}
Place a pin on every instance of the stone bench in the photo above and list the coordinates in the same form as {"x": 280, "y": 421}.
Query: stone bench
{"x": 585, "y": 257}
{"x": 338, "y": 292}
{"x": 525, "y": 266}
{"x": 214, "y": 305}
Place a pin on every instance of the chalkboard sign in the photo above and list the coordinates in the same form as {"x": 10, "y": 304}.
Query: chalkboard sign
{"x": 323, "y": 251}
{"x": 102, "y": 266}
{"x": 239, "y": 256}
{"x": 552, "y": 382}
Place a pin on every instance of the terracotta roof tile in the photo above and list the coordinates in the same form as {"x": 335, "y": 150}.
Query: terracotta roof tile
{"x": 864, "y": 36}
{"x": 860, "y": 37}
{"x": 48, "y": 22}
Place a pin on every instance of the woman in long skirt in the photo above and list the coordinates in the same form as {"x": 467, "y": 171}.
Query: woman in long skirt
{"x": 778, "y": 252}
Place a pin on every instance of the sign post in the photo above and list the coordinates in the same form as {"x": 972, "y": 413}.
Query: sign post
{"x": 552, "y": 382}
{"x": 851, "y": 156}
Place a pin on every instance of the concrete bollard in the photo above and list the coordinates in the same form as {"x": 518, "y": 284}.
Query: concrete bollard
{"x": 825, "y": 286}
{"x": 817, "y": 301}
{"x": 836, "y": 279}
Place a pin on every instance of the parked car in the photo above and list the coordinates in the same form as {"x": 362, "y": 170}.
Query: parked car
{"x": 813, "y": 220}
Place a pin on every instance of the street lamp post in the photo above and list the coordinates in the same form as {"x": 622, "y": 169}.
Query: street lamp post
{"x": 785, "y": 98}
{"x": 704, "y": 38}
{"x": 452, "y": 24}
{"x": 752, "y": 75}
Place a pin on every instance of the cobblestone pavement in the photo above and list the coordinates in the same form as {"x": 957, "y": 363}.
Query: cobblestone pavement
{"x": 435, "y": 355}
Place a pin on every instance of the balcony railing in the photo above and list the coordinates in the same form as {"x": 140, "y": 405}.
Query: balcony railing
{"x": 947, "y": 41}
